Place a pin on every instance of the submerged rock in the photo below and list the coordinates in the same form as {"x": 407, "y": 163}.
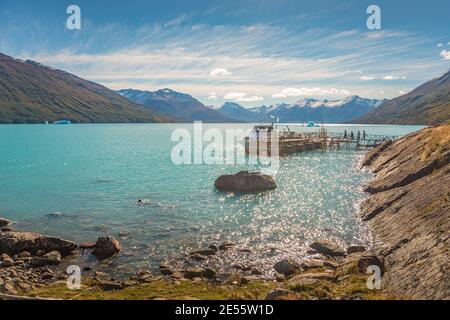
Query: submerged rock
{"x": 106, "y": 247}
{"x": 16, "y": 242}
{"x": 245, "y": 181}
{"x": 327, "y": 248}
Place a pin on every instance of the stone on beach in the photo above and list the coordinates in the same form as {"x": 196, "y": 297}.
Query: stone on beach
{"x": 327, "y": 248}
{"x": 51, "y": 258}
{"x": 226, "y": 245}
{"x": 106, "y": 247}
{"x": 312, "y": 263}
{"x": 6, "y": 260}
{"x": 165, "y": 269}
{"x": 287, "y": 267}
{"x": 353, "y": 249}
{"x": 210, "y": 273}
{"x": 206, "y": 252}
{"x": 245, "y": 181}
{"x": 87, "y": 245}
{"x": 17, "y": 242}
{"x": 5, "y": 222}
{"x": 191, "y": 273}
{"x": 279, "y": 293}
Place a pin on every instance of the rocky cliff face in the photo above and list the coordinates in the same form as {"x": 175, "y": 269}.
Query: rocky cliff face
{"x": 409, "y": 212}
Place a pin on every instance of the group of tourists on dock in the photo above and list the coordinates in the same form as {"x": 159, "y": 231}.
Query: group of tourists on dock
{"x": 358, "y": 135}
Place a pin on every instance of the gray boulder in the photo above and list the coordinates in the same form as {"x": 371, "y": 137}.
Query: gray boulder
{"x": 245, "y": 181}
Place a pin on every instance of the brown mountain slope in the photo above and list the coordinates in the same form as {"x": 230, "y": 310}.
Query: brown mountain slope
{"x": 33, "y": 93}
{"x": 428, "y": 104}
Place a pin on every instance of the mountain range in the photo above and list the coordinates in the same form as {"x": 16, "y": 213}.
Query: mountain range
{"x": 175, "y": 105}
{"x": 307, "y": 109}
{"x": 34, "y": 93}
{"x": 31, "y": 92}
{"x": 427, "y": 104}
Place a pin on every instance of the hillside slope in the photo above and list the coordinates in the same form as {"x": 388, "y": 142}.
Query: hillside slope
{"x": 34, "y": 93}
{"x": 428, "y": 104}
{"x": 409, "y": 212}
{"x": 175, "y": 105}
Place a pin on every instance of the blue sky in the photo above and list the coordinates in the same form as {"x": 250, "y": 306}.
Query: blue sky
{"x": 252, "y": 52}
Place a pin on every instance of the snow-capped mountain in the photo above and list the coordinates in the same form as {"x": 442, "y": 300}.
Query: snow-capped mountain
{"x": 175, "y": 104}
{"x": 236, "y": 111}
{"x": 306, "y": 109}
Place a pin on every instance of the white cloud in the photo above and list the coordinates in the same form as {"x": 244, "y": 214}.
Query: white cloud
{"x": 390, "y": 77}
{"x": 220, "y": 72}
{"x": 242, "y": 97}
{"x": 212, "y": 96}
{"x": 440, "y": 44}
{"x": 367, "y": 78}
{"x": 177, "y": 21}
{"x": 445, "y": 54}
{"x": 402, "y": 92}
{"x": 297, "y": 92}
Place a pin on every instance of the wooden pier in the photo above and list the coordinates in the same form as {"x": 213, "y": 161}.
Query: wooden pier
{"x": 291, "y": 142}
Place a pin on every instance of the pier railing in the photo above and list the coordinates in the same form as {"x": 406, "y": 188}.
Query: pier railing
{"x": 292, "y": 142}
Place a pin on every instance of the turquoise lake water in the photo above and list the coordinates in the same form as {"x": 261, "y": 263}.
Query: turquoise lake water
{"x": 93, "y": 174}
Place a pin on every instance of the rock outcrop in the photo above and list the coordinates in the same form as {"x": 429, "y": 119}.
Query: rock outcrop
{"x": 327, "y": 248}
{"x": 4, "y": 222}
{"x": 16, "y": 242}
{"x": 409, "y": 212}
{"x": 106, "y": 247}
{"x": 245, "y": 181}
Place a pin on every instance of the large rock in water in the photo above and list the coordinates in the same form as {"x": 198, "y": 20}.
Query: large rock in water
{"x": 16, "y": 242}
{"x": 245, "y": 181}
{"x": 106, "y": 247}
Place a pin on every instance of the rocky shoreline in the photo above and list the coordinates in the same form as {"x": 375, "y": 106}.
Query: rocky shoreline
{"x": 31, "y": 264}
{"x": 409, "y": 212}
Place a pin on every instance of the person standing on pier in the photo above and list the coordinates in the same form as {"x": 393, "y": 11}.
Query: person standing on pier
{"x": 359, "y": 135}
{"x": 345, "y": 134}
{"x": 364, "y": 134}
{"x": 351, "y": 134}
